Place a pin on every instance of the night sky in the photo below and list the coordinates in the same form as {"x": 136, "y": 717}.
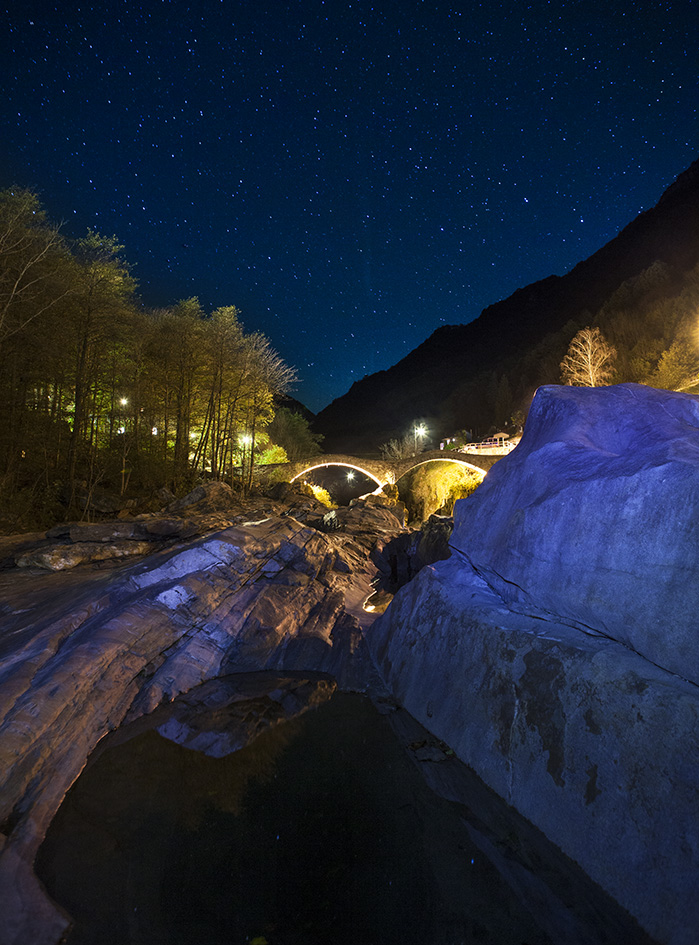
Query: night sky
{"x": 351, "y": 175}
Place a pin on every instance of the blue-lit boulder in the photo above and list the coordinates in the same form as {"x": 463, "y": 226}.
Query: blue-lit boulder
{"x": 549, "y": 651}
{"x": 594, "y": 518}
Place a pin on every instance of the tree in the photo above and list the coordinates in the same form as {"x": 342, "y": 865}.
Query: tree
{"x": 589, "y": 361}
{"x": 267, "y": 376}
{"x": 678, "y": 368}
{"x": 32, "y": 262}
{"x": 399, "y": 447}
{"x": 101, "y": 298}
{"x": 503, "y": 403}
{"x": 292, "y": 431}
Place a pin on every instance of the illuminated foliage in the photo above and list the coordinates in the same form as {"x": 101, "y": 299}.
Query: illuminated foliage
{"x": 435, "y": 487}
{"x": 97, "y": 391}
{"x": 589, "y": 361}
{"x": 322, "y": 495}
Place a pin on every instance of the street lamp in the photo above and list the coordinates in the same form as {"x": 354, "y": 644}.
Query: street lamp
{"x": 420, "y": 431}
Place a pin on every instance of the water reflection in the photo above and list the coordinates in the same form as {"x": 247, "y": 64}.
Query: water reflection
{"x": 322, "y": 830}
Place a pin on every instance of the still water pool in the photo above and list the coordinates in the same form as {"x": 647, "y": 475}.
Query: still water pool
{"x": 322, "y": 830}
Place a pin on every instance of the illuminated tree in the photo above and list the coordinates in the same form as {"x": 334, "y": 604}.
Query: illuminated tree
{"x": 224, "y": 367}
{"x": 267, "y": 376}
{"x": 99, "y": 303}
{"x": 678, "y": 368}
{"x": 589, "y": 361}
{"x": 399, "y": 447}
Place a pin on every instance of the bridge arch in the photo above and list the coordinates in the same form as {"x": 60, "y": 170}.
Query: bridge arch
{"x": 440, "y": 456}
{"x": 347, "y": 463}
{"x": 384, "y": 471}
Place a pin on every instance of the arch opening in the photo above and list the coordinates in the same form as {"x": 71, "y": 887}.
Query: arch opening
{"x": 439, "y": 459}
{"x": 341, "y": 481}
{"x": 347, "y": 465}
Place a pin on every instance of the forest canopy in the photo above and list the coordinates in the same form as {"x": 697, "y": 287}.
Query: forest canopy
{"x": 97, "y": 391}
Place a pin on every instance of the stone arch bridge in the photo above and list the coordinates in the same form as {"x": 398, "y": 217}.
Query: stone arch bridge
{"x": 384, "y": 471}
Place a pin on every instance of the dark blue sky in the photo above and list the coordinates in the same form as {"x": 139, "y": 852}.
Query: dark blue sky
{"x": 350, "y": 174}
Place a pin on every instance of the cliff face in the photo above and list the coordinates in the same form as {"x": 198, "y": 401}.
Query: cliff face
{"x": 385, "y": 404}
{"x": 556, "y": 651}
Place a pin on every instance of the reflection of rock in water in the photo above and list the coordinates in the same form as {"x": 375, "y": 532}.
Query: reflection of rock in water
{"x": 321, "y": 830}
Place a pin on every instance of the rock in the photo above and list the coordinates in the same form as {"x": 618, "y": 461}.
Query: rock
{"x": 594, "y": 518}
{"x": 434, "y": 540}
{"x": 289, "y": 492}
{"x": 208, "y": 497}
{"x": 65, "y": 557}
{"x": 96, "y": 500}
{"x": 225, "y": 714}
{"x": 87, "y": 653}
{"x": 548, "y": 651}
{"x": 378, "y": 601}
{"x": 107, "y": 531}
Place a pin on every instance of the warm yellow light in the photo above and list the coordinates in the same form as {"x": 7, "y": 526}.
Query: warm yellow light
{"x": 350, "y": 476}
{"x": 246, "y": 440}
{"x": 123, "y": 401}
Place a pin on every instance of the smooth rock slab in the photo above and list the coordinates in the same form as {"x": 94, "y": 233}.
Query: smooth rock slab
{"x": 594, "y": 518}
{"x": 84, "y": 654}
{"x": 593, "y": 744}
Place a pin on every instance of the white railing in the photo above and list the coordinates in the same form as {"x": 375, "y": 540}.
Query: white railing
{"x": 490, "y": 447}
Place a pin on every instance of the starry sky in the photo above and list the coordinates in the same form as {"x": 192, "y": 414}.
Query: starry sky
{"x": 351, "y": 174}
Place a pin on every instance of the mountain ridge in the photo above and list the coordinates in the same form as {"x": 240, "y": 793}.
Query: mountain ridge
{"x": 385, "y": 404}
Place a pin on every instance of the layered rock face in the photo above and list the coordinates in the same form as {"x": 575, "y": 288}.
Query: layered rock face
{"x": 86, "y": 652}
{"x": 557, "y": 651}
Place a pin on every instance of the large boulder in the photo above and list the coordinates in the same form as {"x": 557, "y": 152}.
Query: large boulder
{"x": 594, "y": 518}
{"x": 594, "y": 745}
{"x": 549, "y": 650}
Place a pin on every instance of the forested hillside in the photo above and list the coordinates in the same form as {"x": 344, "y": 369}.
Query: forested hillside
{"x": 99, "y": 393}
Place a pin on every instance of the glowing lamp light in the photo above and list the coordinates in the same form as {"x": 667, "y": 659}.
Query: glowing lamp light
{"x": 350, "y": 476}
{"x": 123, "y": 401}
{"x": 420, "y": 432}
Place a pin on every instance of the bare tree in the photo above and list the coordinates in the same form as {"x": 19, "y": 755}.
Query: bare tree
{"x": 399, "y": 447}
{"x": 589, "y": 361}
{"x": 33, "y": 261}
